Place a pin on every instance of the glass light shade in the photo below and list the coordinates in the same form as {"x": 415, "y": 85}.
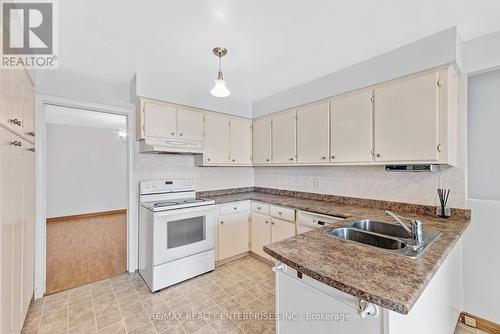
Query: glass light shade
{"x": 220, "y": 89}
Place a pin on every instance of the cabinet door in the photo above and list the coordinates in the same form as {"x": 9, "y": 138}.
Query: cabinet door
{"x": 6, "y": 97}
{"x": 233, "y": 235}
{"x": 406, "y": 116}
{"x": 17, "y": 238}
{"x": 313, "y": 133}
{"x": 261, "y": 137}
{"x": 17, "y": 101}
{"x": 28, "y": 226}
{"x": 351, "y": 128}
{"x": 160, "y": 120}
{"x": 284, "y": 137}
{"x": 28, "y": 106}
{"x": 281, "y": 229}
{"x": 190, "y": 124}
{"x": 241, "y": 141}
{"x": 260, "y": 233}
{"x": 217, "y": 138}
{"x": 7, "y": 218}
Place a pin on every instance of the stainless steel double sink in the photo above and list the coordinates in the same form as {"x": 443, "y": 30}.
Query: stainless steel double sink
{"x": 388, "y": 237}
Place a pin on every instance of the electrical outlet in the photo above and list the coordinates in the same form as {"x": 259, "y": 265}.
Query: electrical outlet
{"x": 470, "y": 321}
{"x": 316, "y": 184}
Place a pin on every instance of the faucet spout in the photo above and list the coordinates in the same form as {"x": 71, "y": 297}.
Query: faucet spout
{"x": 415, "y": 230}
{"x": 398, "y": 220}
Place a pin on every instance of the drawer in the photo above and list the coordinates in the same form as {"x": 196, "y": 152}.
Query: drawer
{"x": 283, "y": 213}
{"x": 235, "y": 207}
{"x": 260, "y": 207}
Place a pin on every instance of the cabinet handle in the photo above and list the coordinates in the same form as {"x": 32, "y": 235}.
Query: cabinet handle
{"x": 208, "y": 159}
{"x": 378, "y": 155}
{"x": 172, "y": 133}
{"x": 279, "y": 213}
{"x": 267, "y": 160}
{"x": 258, "y": 208}
{"x": 31, "y": 133}
{"x": 235, "y": 208}
{"x": 272, "y": 223}
{"x": 267, "y": 222}
{"x": 323, "y": 158}
{"x": 16, "y": 143}
{"x": 15, "y": 121}
{"x": 221, "y": 222}
{"x": 180, "y": 134}
{"x": 291, "y": 159}
{"x": 439, "y": 147}
{"x": 233, "y": 160}
{"x": 333, "y": 157}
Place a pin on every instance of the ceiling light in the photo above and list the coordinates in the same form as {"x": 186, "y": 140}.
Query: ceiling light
{"x": 220, "y": 89}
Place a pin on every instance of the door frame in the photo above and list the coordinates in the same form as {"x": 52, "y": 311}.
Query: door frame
{"x": 40, "y": 181}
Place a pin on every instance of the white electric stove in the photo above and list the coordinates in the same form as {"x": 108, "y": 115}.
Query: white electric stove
{"x": 176, "y": 232}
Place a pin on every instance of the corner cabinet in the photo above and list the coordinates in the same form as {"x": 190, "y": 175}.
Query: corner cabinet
{"x": 415, "y": 119}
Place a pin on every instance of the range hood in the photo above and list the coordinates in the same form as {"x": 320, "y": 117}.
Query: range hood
{"x": 164, "y": 145}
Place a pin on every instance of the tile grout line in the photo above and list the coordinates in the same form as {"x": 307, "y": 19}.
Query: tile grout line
{"x": 119, "y": 311}
{"x": 67, "y": 317}
{"x": 93, "y": 308}
{"x": 142, "y": 304}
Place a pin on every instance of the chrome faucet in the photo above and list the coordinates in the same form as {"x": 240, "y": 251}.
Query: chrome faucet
{"x": 416, "y": 229}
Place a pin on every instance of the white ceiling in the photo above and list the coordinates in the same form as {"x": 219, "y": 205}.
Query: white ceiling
{"x": 84, "y": 118}
{"x": 273, "y": 45}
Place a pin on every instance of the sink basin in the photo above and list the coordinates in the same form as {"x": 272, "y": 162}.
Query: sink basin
{"x": 387, "y": 237}
{"x": 374, "y": 226}
{"x": 369, "y": 239}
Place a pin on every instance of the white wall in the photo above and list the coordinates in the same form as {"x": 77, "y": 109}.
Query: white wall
{"x": 481, "y": 245}
{"x": 436, "y": 50}
{"x": 482, "y": 53}
{"x": 86, "y": 170}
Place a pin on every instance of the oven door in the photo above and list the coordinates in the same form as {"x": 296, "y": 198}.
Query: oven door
{"x": 184, "y": 232}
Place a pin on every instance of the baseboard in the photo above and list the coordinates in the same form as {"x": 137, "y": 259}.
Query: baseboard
{"x": 482, "y": 324}
{"x": 85, "y": 215}
{"x": 263, "y": 259}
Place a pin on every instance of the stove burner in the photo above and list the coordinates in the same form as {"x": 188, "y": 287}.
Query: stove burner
{"x": 160, "y": 204}
{"x": 194, "y": 200}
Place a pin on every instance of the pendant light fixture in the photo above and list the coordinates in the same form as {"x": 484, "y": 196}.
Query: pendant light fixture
{"x": 220, "y": 89}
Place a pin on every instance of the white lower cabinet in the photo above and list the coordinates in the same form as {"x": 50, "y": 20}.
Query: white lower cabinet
{"x": 232, "y": 232}
{"x": 261, "y": 233}
{"x": 281, "y": 229}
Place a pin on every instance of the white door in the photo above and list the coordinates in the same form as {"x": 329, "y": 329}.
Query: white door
{"x": 351, "y": 128}
{"x": 7, "y": 218}
{"x": 260, "y": 233}
{"x": 181, "y": 233}
{"x": 217, "y": 136}
{"x": 406, "y": 120}
{"x": 160, "y": 120}
{"x": 190, "y": 124}
{"x": 232, "y": 235}
{"x": 284, "y": 137}
{"x": 28, "y": 225}
{"x": 313, "y": 133}
{"x": 281, "y": 229}
{"x": 261, "y": 136}
{"x": 241, "y": 141}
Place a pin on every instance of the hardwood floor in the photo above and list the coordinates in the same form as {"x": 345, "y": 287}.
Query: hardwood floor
{"x": 85, "y": 248}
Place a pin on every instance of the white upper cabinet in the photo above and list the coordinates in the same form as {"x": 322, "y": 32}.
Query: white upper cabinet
{"x": 160, "y": 120}
{"x": 313, "y": 130}
{"x": 406, "y": 120}
{"x": 261, "y": 136}
{"x": 351, "y": 128}
{"x": 241, "y": 141}
{"x": 190, "y": 124}
{"x": 284, "y": 137}
{"x": 217, "y": 136}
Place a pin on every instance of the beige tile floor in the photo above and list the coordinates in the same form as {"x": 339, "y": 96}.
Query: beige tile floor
{"x": 124, "y": 304}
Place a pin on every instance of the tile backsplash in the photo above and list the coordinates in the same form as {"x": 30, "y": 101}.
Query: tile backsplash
{"x": 371, "y": 182}
{"x": 354, "y": 181}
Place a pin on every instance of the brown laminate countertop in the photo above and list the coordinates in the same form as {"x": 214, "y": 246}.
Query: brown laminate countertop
{"x": 389, "y": 280}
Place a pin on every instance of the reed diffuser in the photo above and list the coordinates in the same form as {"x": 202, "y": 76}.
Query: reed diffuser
{"x": 443, "y": 211}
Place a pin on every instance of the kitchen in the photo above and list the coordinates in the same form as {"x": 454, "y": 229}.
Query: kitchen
{"x": 298, "y": 192}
